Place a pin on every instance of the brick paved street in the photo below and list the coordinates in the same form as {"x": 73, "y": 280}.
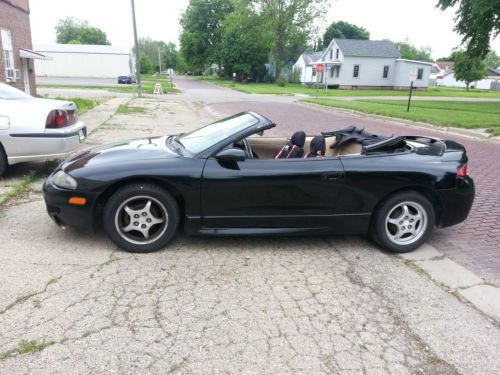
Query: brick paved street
{"x": 474, "y": 243}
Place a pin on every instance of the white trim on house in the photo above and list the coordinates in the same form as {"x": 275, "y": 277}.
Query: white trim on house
{"x": 372, "y": 58}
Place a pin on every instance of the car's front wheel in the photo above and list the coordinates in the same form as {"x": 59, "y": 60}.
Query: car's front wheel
{"x": 141, "y": 218}
{"x": 403, "y": 222}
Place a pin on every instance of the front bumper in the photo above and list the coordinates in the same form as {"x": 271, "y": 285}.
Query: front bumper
{"x": 44, "y": 146}
{"x": 456, "y": 203}
{"x": 68, "y": 215}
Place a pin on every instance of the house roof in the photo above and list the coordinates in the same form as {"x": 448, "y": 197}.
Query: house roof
{"x": 493, "y": 72}
{"x": 310, "y": 58}
{"x": 82, "y": 48}
{"x": 435, "y": 69}
{"x": 445, "y": 65}
{"x": 368, "y": 48}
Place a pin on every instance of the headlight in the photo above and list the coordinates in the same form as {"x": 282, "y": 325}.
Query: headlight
{"x": 64, "y": 180}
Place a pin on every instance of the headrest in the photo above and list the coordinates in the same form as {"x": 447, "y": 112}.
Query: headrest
{"x": 298, "y": 139}
{"x": 318, "y": 144}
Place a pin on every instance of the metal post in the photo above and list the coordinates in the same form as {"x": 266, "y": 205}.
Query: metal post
{"x": 137, "y": 54}
{"x": 326, "y": 81}
{"x": 409, "y": 96}
{"x": 317, "y": 84}
{"x": 159, "y": 59}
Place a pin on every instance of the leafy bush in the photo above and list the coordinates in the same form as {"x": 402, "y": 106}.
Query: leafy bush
{"x": 295, "y": 75}
{"x": 282, "y": 80}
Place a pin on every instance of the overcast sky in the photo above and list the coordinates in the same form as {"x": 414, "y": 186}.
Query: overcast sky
{"x": 417, "y": 20}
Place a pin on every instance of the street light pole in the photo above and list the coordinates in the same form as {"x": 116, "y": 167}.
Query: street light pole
{"x": 137, "y": 54}
{"x": 159, "y": 59}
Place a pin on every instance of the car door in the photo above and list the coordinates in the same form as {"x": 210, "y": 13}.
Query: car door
{"x": 270, "y": 193}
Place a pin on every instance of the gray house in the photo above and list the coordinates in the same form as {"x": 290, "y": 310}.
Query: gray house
{"x": 367, "y": 64}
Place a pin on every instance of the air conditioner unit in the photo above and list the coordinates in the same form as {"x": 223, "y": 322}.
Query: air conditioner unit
{"x": 11, "y": 74}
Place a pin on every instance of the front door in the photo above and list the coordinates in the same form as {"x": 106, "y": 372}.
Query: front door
{"x": 26, "y": 75}
{"x": 270, "y": 193}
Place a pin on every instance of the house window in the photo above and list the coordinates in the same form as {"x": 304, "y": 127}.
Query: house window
{"x": 338, "y": 71}
{"x": 331, "y": 54}
{"x": 332, "y": 69}
{"x": 355, "y": 73}
{"x": 337, "y": 54}
{"x": 420, "y": 73}
{"x": 8, "y": 54}
{"x": 386, "y": 71}
{"x": 314, "y": 72}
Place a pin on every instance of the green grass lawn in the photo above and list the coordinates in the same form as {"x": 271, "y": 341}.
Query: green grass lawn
{"x": 295, "y": 88}
{"x": 470, "y": 115}
{"x": 83, "y": 104}
{"x": 148, "y": 84}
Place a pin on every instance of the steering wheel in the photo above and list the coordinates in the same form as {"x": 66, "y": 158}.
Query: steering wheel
{"x": 248, "y": 149}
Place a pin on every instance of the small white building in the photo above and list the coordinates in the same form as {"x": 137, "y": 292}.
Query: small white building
{"x": 82, "y": 60}
{"x": 366, "y": 64}
{"x": 449, "y": 80}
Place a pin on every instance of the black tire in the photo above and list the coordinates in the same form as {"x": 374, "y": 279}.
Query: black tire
{"x": 392, "y": 220}
{"x": 3, "y": 160}
{"x": 127, "y": 217}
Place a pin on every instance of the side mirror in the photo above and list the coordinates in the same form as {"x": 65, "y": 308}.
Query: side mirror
{"x": 231, "y": 154}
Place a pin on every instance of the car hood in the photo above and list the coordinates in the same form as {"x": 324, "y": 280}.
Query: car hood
{"x": 132, "y": 152}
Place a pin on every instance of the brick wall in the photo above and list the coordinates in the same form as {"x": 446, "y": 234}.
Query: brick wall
{"x": 14, "y": 16}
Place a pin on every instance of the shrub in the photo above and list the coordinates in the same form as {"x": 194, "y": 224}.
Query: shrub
{"x": 295, "y": 75}
{"x": 282, "y": 80}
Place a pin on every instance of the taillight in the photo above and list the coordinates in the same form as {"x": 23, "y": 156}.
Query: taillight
{"x": 462, "y": 171}
{"x": 57, "y": 119}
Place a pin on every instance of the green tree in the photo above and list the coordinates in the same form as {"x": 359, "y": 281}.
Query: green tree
{"x": 245, "y": 45}
{"x": 344, "y": 30}
{"x": 478, "y": 21}
{"x": 468, "y": 68}
{"x": 411, "y": 52}
{"x": 451, "y": 57}
{"x": 71, "y": 30}
{"x": 158, "y": 51}
{"x": 201, "y": 33}
{"x": 146, "y": 64}
{"x": 290, "y": 25}
{"x": 492, "y": 60}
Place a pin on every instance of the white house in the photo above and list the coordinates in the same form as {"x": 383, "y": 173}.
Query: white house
{"x": 352, "y": 63}
{"x": 449, "y": 80}
{"x": 81, "y": 60}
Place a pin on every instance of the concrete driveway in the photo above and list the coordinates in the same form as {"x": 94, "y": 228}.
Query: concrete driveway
{"x": 74, "y": 304}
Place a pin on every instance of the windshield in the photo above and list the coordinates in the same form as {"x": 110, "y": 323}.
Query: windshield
{"x": 11, "y": 93}
{"x": 204, "y": 138}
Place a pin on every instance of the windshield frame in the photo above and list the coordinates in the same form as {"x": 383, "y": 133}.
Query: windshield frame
{"x": 260, "y": 124}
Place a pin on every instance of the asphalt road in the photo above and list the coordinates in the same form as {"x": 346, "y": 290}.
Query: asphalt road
{"x": 72, "y": 303}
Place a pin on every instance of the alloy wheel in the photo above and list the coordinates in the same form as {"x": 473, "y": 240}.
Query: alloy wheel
{"x": 141, "y": 219}
{"x": 406, "y": 223}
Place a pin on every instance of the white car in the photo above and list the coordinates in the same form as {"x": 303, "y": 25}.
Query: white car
{"x": 34, "y": 129}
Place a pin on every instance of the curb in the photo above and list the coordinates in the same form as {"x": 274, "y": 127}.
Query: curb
{"x": 456, "y": 279}
{"x": 465, "y": 133}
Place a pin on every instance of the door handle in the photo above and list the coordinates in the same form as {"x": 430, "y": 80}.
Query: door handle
{"x": 332, "y": 176}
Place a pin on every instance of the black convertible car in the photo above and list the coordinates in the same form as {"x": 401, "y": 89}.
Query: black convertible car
{"x": 227, "y": 179}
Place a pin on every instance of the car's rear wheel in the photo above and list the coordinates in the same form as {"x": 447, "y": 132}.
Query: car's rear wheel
{"x": 403, "y": 222}
{"x": 141, "y": 218}
{"x": 3, "y": 160}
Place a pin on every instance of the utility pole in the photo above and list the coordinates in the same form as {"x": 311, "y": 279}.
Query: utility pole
{"x": 137, "y": 55}
{"x": 159, "y": 58}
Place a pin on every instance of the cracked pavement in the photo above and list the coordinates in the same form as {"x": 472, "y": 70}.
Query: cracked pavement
{"x": 305, "y": 305}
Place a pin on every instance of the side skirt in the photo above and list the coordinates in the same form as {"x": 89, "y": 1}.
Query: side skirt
{"x": 341, "y": 224}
